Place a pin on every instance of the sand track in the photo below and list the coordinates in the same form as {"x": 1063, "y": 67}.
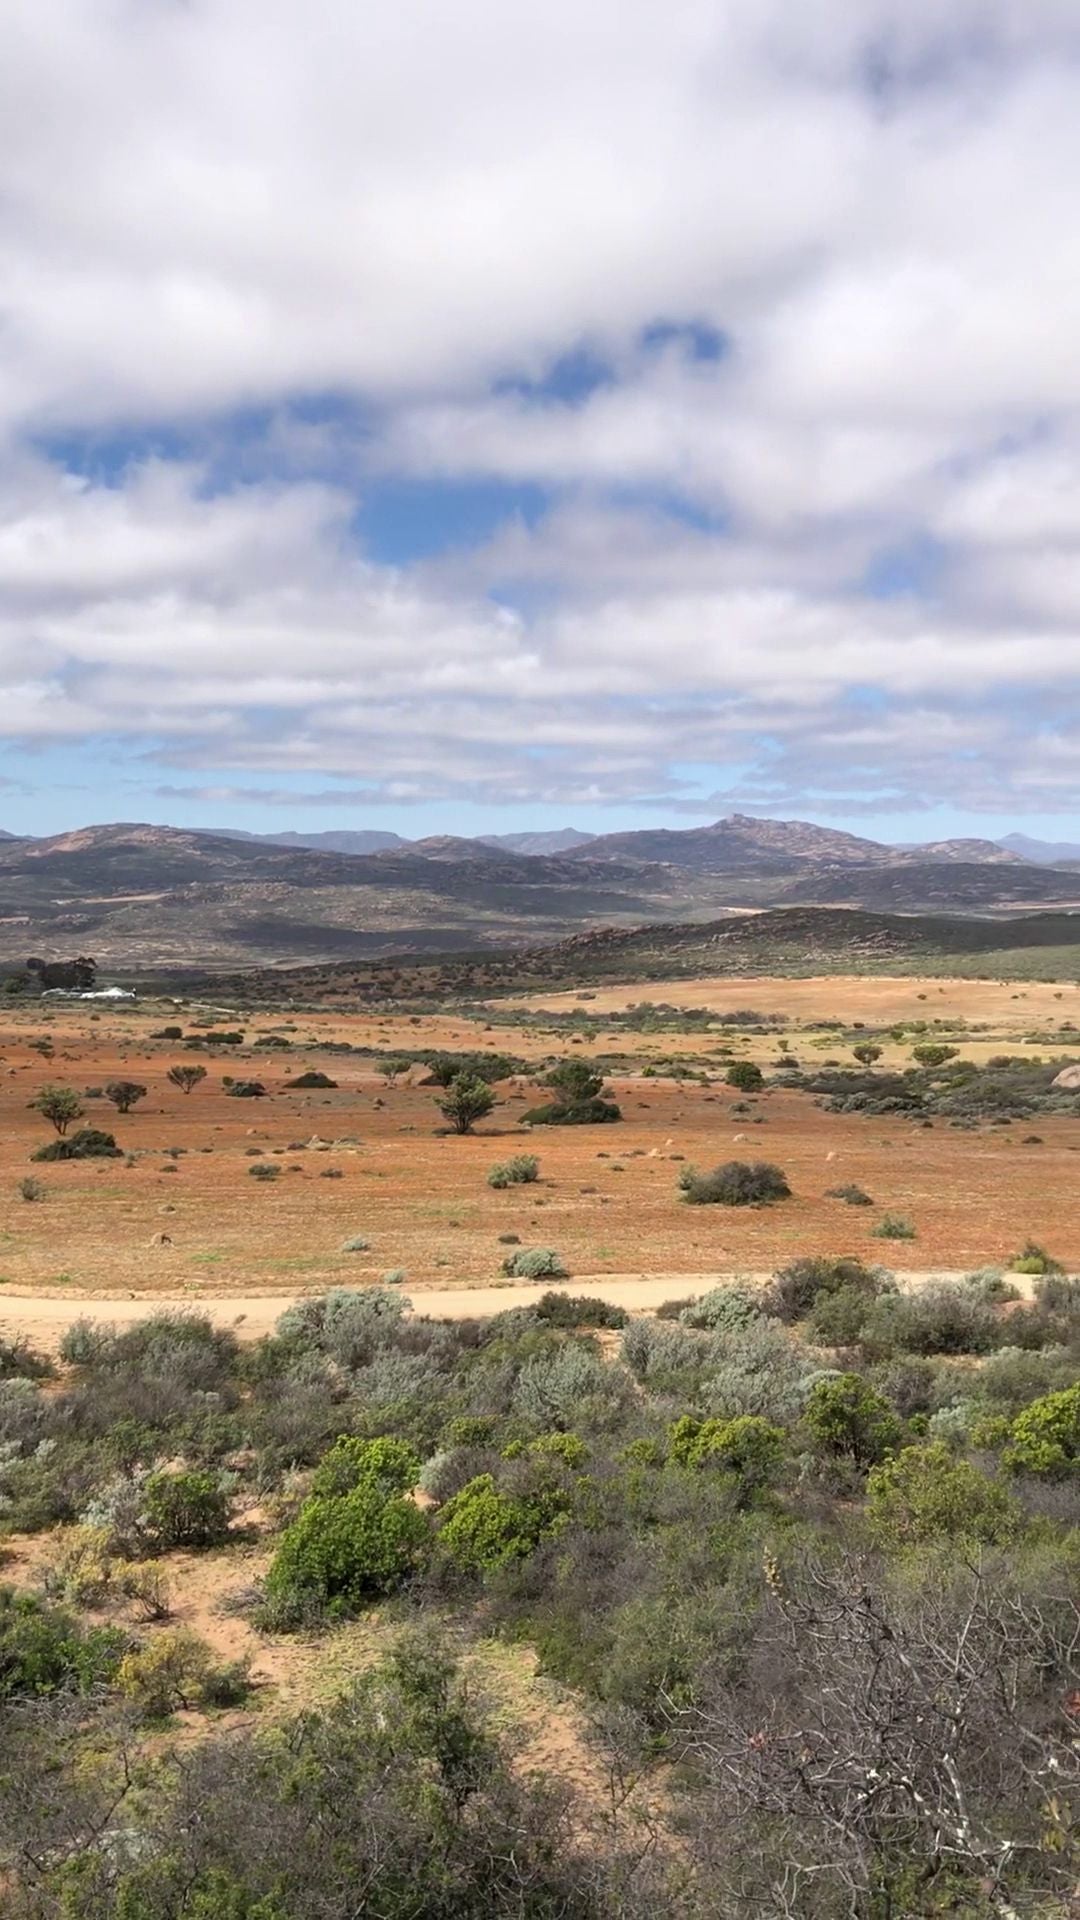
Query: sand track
{"x": 43, "y": 1317}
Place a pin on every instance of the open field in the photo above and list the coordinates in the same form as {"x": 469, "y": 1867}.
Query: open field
{"x": 180, "y": 1213}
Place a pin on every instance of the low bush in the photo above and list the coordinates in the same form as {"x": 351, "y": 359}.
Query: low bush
{"x": 893, "y": 1227}
{"x": 312, "y": 1079}
{"x": 925, "y": 1494}
{"x": 944, "y": 1318}
{"x": 519, "y": 1171}
{"x": 43, "y": 1649}
{"x": 851, "y": 1195}
{"x": 535, "y": 1263}
{"x": 738, "y": 1183}
{"x": 578, "y": 1310}
{"x": 1046, "y": 1436}
{"x": 1034, "y": 1259}
{"x": 744, "y": 1075}
{"x": 266, "y": 1170}
{"x": 846, "y": 1418}
{"x": 245, "y": 1089}
{"x": 31, "y": 1189}
{"x": 720, "y": 1308}
{"x": 587, "y": 1113}
{"x": 88, "y": 1143}
{"x": 177, "y": 1671}
{"x": 186, "y": 1509}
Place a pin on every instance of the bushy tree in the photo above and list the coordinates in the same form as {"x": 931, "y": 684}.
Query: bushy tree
{"x": 186, "y": 1077}
{"x": 748, "y": 1449}
{"x": 482, "y": 1528}
{"x": 124, "y": 1094}
{"x": 579, "y": 1098}
{"x": 930, "y": 1053}
{"x": 867, "y": 1052}
{"x": 467, "y": 1100}
{"x": 60, "y": 1106}
{"x": 189, "y": 1508}
{"x": 343, "y": 1550}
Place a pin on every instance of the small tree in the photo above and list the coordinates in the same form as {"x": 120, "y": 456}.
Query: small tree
{"x": 186, "y": 1077}
{"x": 929, "y": 1053}
{"x": 60, "y": 1105}
{"x": 390, "y": 1069}
{"x": 867, "y": 1052}
{"x": 467, "y": 1100}
{"x": 745, "y": 1076}
{"x": 124, "y": 1094}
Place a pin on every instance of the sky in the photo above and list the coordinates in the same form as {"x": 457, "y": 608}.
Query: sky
{"x": 482, "y": 417}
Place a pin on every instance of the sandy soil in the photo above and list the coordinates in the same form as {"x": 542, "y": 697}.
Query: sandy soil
{"x": 192, "y": 1223}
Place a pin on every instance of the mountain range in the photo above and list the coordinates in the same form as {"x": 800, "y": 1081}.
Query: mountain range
{"x": 138, "y": 896}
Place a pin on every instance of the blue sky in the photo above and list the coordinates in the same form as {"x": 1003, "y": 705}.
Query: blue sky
{"x": 632, "y": 425}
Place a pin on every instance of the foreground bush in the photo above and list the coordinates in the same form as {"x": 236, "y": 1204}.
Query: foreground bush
{"x": 926, "y": 1494}
{"x": 353, "y": 1540}
{"x": 846, "y": 1418}
{"x": 519, "y": 1171}
{"x": 187, "y": 1509}
{"x": 579, "y": 1098}
{"x": 535, "y": 1263}
{"x": 43, "y": 1649}
{"x": 795, "y": 1289}
{"x": 738, "y": 1183}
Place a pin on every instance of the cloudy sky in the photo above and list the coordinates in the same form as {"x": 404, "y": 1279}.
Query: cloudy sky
{"x": 463, "y": 417}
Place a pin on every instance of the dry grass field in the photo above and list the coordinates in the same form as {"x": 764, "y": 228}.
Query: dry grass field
{"x": 181, "y": 1213}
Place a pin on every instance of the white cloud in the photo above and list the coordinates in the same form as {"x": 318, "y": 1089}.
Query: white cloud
{"x": 217, "y": 204}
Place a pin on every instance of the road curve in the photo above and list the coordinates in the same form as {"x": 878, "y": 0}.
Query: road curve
{"x": 42, "y": 1318}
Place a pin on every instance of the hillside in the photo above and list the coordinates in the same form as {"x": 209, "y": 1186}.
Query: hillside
{"x": 136, "y": 896}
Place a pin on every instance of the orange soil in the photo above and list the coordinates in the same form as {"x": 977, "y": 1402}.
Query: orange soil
{"x": 607, "y": 1199}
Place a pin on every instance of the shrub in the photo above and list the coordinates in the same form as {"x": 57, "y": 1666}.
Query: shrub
{"x": 168, "y": 1033}
{"x": 124, "y": 1094}
{"x": 44, "y": 1650}
{"x": 847, "y": 1419}
{"x": 349, "y": 1325}
{"x": 721, "y": 1308}
{"x": 942, "y": 1318}
{"x": 579, "y": 1098}
{"x": 794, "y": 1289}
{"x": 312, "y": 1079}
{"x": 755, "y": 1370}
{"x": 851, "y": 1195}
{"x": 266, "y": 1170}
{"x": 867, "y": 1052}
{"x": 924, "y": 1494}
{"x": 388, "y": 1466}
{"x": 186, "y": 1509}
{"x": 1046, "y": 1436}
{"x": 744, "y": 1075}
{"x": 343, "y": 1550}
{"x": 184, "y": 1077}
{"x": 837, "y": 1319}
{"x": 245, "y": 1090}
{"x": 481, "y": 1528}
{"x": 535, "y": 1263}
{"x": 578, "y": 1310}
{"x": 738, "y": 1183}
{"x": 521, "y": 1170}
{"x": 591, "y": 1113}
{"x": 1034, "y": 1259}
{"x": 177, "y": 1671}
{"x": 748, "y": 1449}
{"x": 1058, "y": 1293}
{"x": 20, "y": 1361}
{"x": 32, "y": 1189}
{"x": 89, "y": 1143}
{"x": 929, "y": 1053}
{"x": 467, "y": 1100}
{"x": 893, "y": 1227}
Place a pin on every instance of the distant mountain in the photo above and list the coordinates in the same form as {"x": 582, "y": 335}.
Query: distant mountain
{"x": 1045, "y": 853}
{"x": 344, "y": 840}
{"x": 977, "y": 852}
{"x": 737, "y": 843}
{"x": 560, "y": 840}
{"x": 141, "y": 896}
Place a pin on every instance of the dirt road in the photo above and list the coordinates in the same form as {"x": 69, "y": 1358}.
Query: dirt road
{"x": 42, "y": 1318}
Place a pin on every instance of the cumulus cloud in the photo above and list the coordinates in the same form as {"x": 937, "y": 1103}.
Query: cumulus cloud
{"x": 840, "y": 552}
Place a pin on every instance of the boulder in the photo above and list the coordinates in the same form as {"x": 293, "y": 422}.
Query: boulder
{"x": 419, "y": 1075}
{"x": 1068, "y": 1080}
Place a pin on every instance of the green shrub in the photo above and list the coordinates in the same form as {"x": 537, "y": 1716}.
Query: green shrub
{"x": 837, "y": 1319}
{"x": 744, "y": 1075}
{"x": 343, "y": 1550}
{"x": 266, "y": 1170}
{"x": 1046, "y": 1436}
{"x": 924, "y": 1494}
{"x": 245, "y": 1089}
{"x": 186, "y": 1509}
{"x": 176, "y": 1670}
{"x": 794, "y": 1289}
{"x": 535, "y": 1263}
{"x": 386, "y": 1465}
{"x": 519, "y": 1171}
{"x": 88, "y": 1143}
{"x": 43, "y": 1649}
{"x": 738, "y": 1183}
{"x": 941, "y": 1318}
{"x": 847, "y": 1419}
{"x": 748, "y": 1449}
{"x": 722, "y": 1308}
{"x": 482, "y": 1528}
{"x": 578, "y": 1310}
{"x": 1035, "y": 1260}
{"x": 893, "y": 1226}
{"x": 851, "y": 1195}
{"x": 312, "y": 1079}
{"x": 588, "y": 1113}
{"x": 467, "y": 1100}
